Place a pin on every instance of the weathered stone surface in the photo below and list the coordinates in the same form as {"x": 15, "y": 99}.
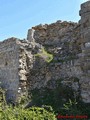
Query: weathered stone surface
{"x": 68, "y": 42}
{"x": 9, "y": 57}
{"x": 85, "y": 59}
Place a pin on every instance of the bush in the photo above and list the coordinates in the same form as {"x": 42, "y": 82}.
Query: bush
{"x": 46, "y": 56}
{"x": 33, "y": 113}
{"x": 19, "y": 113}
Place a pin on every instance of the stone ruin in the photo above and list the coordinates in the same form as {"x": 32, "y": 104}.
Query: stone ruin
{"x": 68, "y": 42}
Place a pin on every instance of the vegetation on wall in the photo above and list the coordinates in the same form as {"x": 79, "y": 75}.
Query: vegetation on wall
{"x": 61, "y": 99}
{"x": 46, "y": 56}
{"x": 53, "y": 97}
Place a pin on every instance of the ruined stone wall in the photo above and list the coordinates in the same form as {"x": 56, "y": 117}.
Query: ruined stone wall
{"x": 63, "y": 41}
{"x": 85, "y": 46}
{"x": 15, "y": 56}
{"x": 69, "y": 43}
{"x": 9, "y": 63}
{"x": 25, "y": 64}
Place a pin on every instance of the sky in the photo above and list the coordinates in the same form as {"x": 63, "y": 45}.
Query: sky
{"x": 17, "y": 16}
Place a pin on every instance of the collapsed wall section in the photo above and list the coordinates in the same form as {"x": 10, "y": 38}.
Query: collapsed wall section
{"x": 25, "y": 64}
{"x": 69, "y": 43}
{"x": 63, "y": 41}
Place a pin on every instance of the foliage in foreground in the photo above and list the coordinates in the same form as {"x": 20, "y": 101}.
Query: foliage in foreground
{"x": 34, "y": 113}
{"x": 19, "y": 113}
{"x": 40, "y": 113}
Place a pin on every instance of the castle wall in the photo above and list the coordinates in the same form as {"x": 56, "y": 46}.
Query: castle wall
{"x": 63, "y": 41}
{"x": 69, "y": 43}
{"x": 85, "y": 46}
{"x": 9, "y": 67}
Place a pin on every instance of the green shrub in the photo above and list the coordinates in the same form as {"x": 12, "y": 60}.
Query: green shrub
{"x": 33, "y": 113}
{"x": 46, "y": 56}
{"x": 18, "y": 113}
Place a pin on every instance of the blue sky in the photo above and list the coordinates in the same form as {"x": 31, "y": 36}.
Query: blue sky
{"x": 17, "y": 16}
